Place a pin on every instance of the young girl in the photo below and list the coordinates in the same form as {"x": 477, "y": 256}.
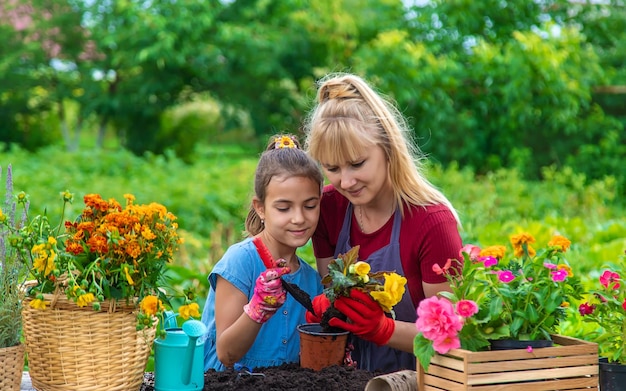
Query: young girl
{"x": 379, "y": 199}
{"x": 251, "y": 319}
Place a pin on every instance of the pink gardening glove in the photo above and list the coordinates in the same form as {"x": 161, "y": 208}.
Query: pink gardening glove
{"x": 268, "y": 295}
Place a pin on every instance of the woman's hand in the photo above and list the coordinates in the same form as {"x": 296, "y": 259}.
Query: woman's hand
{"x": 366, "y": 318}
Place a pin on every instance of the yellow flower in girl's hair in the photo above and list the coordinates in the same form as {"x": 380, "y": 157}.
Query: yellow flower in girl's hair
{"x": 284, "y": 142}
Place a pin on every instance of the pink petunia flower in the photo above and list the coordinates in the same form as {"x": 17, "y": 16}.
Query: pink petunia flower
{"x": 506, "y": 276}
{"x": 549, "y": 265}
{"x": 610, "y": 279}
{"x": 472, "y": 250}
{"x": 559, "y": 275}
{"x": 489, "y": 261}
{"x": 466, "y": 308}
{"x": 586, "y": 309}
{"x": 441, "y": 270}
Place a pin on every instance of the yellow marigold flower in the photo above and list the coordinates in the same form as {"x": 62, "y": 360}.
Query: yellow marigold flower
{"x": 190, "y": 310}
{"x": 128, "y": 277}
{"x": 39, "y": 304}
{"x": 565, "y": 304}
{"x": 44, "y": 259}
{"x": 129, "y": 198}
{"x": 493, "y": 251}
{"x": 147, "y": 233}
{"x": 52, "y": 241}
{"x": 393, "y": 290}
{"x": 3, "y": 217}
{"x": 567, "y": 268}
{"x": 560, "y": 241}
{"x": 150, "y": 305}
{"x": 85, "y": 300}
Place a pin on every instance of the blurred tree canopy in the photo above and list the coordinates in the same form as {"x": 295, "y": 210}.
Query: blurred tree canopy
{"x": 487, "y": 84}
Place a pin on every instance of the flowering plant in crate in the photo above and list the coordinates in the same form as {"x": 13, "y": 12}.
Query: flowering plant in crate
{"x": 606, "y": 308}
{"x": 347, "y": 273}
{"x": 495, "y": 296}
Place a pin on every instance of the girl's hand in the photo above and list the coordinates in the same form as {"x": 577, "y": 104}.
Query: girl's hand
{"x": 268, "y": 295}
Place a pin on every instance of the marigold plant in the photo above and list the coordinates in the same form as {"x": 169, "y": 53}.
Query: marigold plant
{"x": 523, "y": 297}
{"x": 109, "y": 252}
{"x": 347, "y": 272}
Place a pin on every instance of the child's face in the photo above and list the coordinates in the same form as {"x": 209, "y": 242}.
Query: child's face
{"x": 291, "y": 210}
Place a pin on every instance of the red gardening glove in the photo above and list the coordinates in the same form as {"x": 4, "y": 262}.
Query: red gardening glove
{"x": 367, "y": 319}
{"x": 268, "y": 295}
{"x": 320, "y": 305}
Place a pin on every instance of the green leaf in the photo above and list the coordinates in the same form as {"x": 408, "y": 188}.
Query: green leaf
{"x": 423, "y": 350}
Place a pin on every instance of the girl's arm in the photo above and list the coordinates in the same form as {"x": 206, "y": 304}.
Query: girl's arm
{"x": 235, "y": 330}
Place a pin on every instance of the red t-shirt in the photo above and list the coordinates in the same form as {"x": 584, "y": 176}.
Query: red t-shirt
{"x": 428, "y": 235}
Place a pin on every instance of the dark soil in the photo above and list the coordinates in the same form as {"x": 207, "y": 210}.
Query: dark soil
{"x": 284, "y": 377}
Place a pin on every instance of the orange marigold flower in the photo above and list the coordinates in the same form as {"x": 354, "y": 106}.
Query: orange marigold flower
{"x": 493, "y": 251}
{"x": 518, "y": 242}
{"x": 150, "y": 305}
{"x": 561, "y": 242}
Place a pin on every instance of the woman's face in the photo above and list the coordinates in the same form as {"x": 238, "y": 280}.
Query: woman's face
{"x": 362, "y": 180}
{"x": 291, "y": 210}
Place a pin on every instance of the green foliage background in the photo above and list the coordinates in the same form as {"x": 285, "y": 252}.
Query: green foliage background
{"x": 211, "y": 199}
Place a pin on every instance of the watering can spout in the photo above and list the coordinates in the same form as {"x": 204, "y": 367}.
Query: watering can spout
{"x": 194, "y": 329}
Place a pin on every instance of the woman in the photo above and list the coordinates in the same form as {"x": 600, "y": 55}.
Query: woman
{"x": 379, "y": 199}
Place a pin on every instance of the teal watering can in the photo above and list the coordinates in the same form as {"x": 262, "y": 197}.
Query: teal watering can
{"x": 179, "y": 357}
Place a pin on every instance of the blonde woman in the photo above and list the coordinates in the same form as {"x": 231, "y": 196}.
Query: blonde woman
{"x": 378, "y": 198}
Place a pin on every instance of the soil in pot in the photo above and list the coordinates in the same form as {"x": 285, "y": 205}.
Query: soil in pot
{"x": 284, "y": 377}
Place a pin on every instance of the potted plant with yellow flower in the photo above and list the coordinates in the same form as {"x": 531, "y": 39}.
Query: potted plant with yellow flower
{"x": 12, "y": 278}
{"x": 96, "y": 294}
{"x": 518, "y": 299}
{"x": 345, "y": 274}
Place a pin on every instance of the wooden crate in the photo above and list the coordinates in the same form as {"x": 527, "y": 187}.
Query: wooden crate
{"x": 572, "y": 364}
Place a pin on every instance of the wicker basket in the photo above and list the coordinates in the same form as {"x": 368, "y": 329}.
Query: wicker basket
{"x": 78, "y": 349}
{"x": 11, "y": 367}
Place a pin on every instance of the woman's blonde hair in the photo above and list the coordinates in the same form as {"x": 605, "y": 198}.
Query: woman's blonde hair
{"x": 282, "y": 157}
{"x": 349, "y": 117}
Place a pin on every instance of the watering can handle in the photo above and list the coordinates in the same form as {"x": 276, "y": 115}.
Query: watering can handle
{"x": 169, "y": 320}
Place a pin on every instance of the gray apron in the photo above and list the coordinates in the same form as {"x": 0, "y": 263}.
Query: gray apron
{"x": 368, "y": 355}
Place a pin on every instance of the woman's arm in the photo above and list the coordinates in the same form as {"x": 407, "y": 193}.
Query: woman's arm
{"x": 235, "y": 331}
{"x": 405, "y": 332}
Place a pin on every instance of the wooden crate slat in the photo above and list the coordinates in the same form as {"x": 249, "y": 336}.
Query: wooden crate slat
{"x": 570, "y": 365}
{"x": 447, "y": 373}
{"x": 519, "y": 365}
{"x": 448, "y": 361}
{"x": 444, "y": 384}
{"x": 539, "y": 374}
{"x": 587, "y": 384}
